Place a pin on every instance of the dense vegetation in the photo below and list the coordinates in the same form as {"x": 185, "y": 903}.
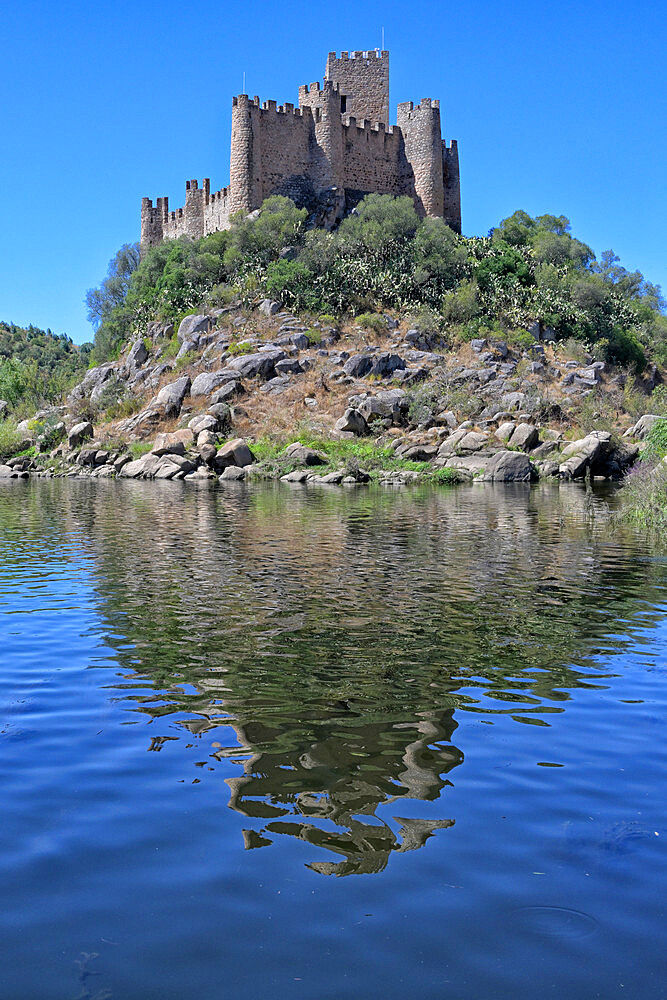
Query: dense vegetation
{"x": 383, "y": 256}
{"x": 37, "y": 365}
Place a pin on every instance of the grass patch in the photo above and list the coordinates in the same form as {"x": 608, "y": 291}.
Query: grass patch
{"x": 171, "y": 348}
{"x": 341, "y": 453}
{"x": 644, "y": 497}
{"x": 372, "y": 321}
{"x": 139, "y": 448}
{"x": 184, "y": 360}
{"x": 124, "y": 408}
{"x": 656, "y": 442}
{"x": 592, "y": 413}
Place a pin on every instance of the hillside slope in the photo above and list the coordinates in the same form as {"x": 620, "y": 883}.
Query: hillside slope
{"x": 233, "y": 392}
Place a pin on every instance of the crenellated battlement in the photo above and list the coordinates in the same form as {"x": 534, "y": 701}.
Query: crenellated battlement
{"x": 242, "y": 101}
{"x": 367, "y": 54}
{"x": 318, "y": 89}
{"x": 426, "y": 104}
{"x": 338, "y": 138}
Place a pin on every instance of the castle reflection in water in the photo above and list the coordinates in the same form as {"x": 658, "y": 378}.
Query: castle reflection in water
{"x": 320, "y": 642}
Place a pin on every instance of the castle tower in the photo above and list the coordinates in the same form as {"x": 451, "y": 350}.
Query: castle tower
{"x": 245, "y": 158}
{"x": 452, "y": 185}
{"x": 327, "y": 151}
{"x": 152, "y": 222}
{"x": 195, "y": 200}
{"x": 420, "y": 127}
{"x": 363, "y": 81}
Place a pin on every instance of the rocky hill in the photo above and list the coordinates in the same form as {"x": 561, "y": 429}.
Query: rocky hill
{"x": 237, "y": 393}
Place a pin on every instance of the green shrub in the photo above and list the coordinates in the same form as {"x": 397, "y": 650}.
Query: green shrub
{"x": 624, "y": 349}
{"x": 378, "y": 221}
{"x": 290, "y": 282}
{"x": 184, "y": 360}
{"x": 114, "y": 392}
{"x": 47, "y": 431}
{"x": 124, "y": 408}
{"x": 505, "y": 267}
{"x": 426, "y": 320}
{"x": 384, "y": 257}
{"x": 241, "y": 347}
{"x": 658, "y": 401}
{"x": 171, "y": 348}
{"x": 656, "y": 442}
{"x": 595, "y": 412}
{"x": 482, "y": 326}
{"x": 255, "y": 242}
{"x": 222, "y": 295}
{"x": 520, "y": 339}
{"x": 426, "y": 400}
{"x": 372, "y": 321}
{"x": 10, "y": 440}
{"x": 575, "y": 349}
{"x": 635, "y": 403}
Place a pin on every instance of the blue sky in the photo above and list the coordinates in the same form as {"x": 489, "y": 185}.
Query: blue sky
{"x": 557, "y": 107}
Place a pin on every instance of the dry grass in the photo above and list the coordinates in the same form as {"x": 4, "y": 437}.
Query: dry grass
{"x": 276, "y": 416}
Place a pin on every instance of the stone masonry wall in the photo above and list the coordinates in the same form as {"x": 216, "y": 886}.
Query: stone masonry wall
{"x": 277, "y": 145}
{"x": 373, "y": 158}
{"x": 420, "y": 127}
{"x": 452, "y": 185}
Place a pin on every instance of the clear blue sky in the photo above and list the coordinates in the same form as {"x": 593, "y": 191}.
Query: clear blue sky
{"x": 558, "y": 107}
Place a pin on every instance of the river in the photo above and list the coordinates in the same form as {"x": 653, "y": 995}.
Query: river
{"x": 265, "y": 741}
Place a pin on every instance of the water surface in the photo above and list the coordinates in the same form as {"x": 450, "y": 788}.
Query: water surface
{"x": 260, "y": 742}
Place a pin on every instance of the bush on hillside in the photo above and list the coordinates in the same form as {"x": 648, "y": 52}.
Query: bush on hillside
{"x": 384, "y": 257}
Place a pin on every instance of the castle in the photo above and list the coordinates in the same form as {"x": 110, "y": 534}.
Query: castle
{"x": 326, "y": 155}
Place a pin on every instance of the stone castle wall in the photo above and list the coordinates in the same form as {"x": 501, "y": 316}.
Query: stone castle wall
{"x": 204, "y": 212}
{"x": 452, "y": 185}
{"x": 373, "y": 157}
{"x": 323, "y": 146}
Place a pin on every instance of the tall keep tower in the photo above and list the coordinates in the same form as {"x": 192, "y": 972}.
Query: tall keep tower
{"x": 363, "y": 81}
